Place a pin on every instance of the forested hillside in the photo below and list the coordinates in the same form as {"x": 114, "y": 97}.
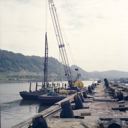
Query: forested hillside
{"x": 18, "y": 67}
{"x": 15, "y": 65}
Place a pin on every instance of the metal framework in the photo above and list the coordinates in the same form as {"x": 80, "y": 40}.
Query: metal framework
{"x": 60, "y": 41}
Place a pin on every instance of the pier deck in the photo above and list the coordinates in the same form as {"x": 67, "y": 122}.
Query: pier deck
{"x": 99, "y": 109}
{"x": 102, "y": 112}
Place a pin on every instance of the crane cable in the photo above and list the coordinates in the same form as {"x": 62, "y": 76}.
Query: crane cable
{"x": 71, "y": 55}
{"x": 46, "y": 15}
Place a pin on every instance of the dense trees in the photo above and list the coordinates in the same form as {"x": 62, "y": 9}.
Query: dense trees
{"x": 18, "y": 64}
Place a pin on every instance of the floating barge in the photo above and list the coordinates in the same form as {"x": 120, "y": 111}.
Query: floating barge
{"x": 100, "y": 108}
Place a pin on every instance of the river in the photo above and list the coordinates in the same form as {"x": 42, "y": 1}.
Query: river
{"x": 13, "y": 109}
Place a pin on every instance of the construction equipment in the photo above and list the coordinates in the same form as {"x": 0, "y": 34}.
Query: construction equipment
{"x": 60, "y": 42}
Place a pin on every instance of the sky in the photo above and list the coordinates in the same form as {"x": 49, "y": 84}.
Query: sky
{"x": 95, "y": 31}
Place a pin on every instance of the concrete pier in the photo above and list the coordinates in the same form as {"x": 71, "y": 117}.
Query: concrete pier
{"x": 98, "y": 112}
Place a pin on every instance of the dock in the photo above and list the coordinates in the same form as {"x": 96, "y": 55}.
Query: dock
{"x": 98, "y": 110}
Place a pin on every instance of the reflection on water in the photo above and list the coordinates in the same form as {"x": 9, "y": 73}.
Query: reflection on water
{"x": 28, "y": 102}
{"x": 41, "y": 108}
{"x": 18, "y": 111}
{"x": 13, "y": 109}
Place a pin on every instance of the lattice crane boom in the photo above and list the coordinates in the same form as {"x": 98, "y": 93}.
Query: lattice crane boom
{"x": 60, "y": 41}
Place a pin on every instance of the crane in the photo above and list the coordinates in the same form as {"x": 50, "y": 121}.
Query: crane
{"x": 60, "y": 41}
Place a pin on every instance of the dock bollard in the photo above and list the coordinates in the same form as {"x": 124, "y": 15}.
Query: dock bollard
{"x": 89, "y": 90}
{"x": 78, "y": 102}
{"x": 66, "y": 111}
{"x": 112, "y": 92}
{"x": 120, "y": 96}
{"x": 36, "y": 85}
{"x": 85, "y": 95}
{"x": 114, "y": 125}
{"x": 39, "y": 122}
{"x": 30, "y": 86}
{"x": 126, "y": 97}
{"x": 81, "y": 97}
{"x": 92, "y": 87}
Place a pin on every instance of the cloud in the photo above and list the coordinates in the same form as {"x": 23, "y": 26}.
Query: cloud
{"x": 95, "y": 29}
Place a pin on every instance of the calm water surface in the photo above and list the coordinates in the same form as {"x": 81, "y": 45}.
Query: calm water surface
{"x": 13, "y": 109}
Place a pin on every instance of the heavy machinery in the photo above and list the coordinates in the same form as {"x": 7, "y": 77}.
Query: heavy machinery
{"x": 60, "y": 41}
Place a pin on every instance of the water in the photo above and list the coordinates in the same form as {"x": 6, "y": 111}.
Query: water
{"x": 13, "y": 109}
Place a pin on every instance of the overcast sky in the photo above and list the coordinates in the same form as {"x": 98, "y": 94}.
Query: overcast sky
{"x": 95, "y": 31}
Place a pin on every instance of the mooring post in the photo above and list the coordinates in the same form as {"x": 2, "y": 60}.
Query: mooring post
{"x": 0, "y": 116}
{"x": 89, "y": 89}
{"x": 30, "y": 86}
{"x": 36, "y": 85}
{"x": 65, "y": 85}
{"x": 62, "y": 86}
{"x": 81, "y": 96}
{"x": 85, "y": 94}
{"x": 39, "y": 122}
{"x": 66, "y": 111}
{"x": 78, "y": 102}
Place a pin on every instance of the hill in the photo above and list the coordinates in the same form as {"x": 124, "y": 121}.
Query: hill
{"x": 18, "y": 67}
{"x": 15, "y": 66}
{"x": 112, "y": 74}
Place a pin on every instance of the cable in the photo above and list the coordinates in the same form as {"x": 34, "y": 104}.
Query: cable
{"x": 46, "y": 15}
